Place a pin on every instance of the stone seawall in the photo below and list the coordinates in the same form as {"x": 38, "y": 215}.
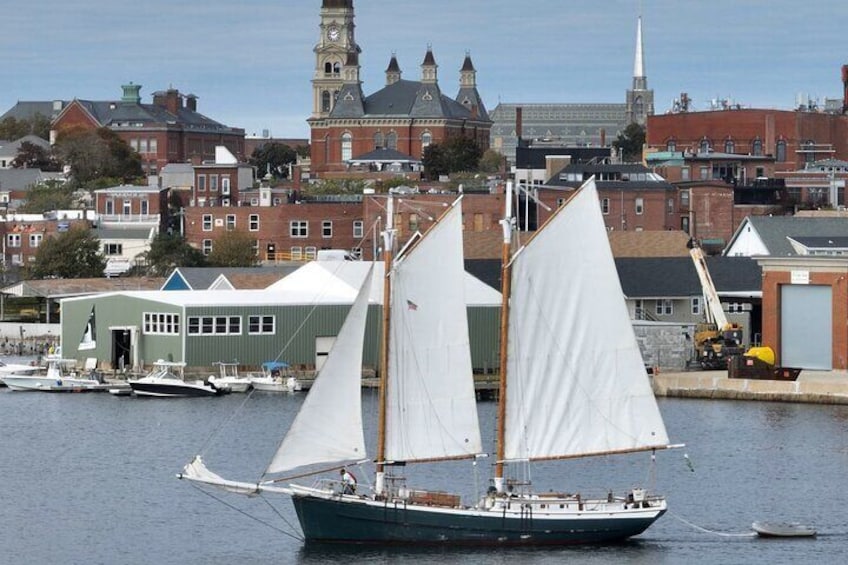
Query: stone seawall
{"x": 817, "y": 387}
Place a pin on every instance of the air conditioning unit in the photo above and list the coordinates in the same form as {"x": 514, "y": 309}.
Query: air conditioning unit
{"x": 225, "y": 202}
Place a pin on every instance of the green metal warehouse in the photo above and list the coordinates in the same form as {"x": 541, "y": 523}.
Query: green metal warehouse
{"x": 294, "y": 320}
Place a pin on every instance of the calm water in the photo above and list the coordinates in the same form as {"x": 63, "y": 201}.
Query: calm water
{"x": 90, "y": 478}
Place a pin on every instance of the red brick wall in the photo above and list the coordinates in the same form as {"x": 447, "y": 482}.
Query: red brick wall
{"x": 772, "y": 282}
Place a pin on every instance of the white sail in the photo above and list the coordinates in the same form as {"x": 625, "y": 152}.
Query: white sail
{"x": 431, "y": 411}
{"x": 328, "y": 428}
{"x": 576, "y": 381}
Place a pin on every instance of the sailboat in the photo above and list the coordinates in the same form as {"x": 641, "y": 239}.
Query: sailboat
{"x": 570, "y": 387}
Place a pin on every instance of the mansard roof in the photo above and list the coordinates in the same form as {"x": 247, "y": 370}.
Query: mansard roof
{"x": 109, "y": 113}
{"x": 405, "y": 98}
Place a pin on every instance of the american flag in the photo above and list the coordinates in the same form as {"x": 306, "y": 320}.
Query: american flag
{"x": 411, "y": 305}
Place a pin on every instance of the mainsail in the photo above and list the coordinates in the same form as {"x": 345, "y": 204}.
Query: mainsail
{"x": 576, "y": 381}
{"x": 328, "y": 427}
{"x": 89, "y": 336}
{"x": 431, "y": 411}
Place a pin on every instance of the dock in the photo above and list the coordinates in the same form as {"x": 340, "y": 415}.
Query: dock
{"x": 816, "y": 387}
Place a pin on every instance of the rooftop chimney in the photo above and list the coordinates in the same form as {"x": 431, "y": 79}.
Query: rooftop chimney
{"x": 191, "y": 102}
{"x": 131, "y": 93}
{"x": 519, "y": 119}
{"x": 845, "y": 84}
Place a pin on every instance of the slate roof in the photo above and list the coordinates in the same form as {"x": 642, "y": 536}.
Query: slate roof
{"x": 774, "y": 231}
{"x": 111, "y": 113}
{"x": 26, "y": 110}
{"x": 24, "y": 179}
{"x": 823, "y": 242}
{"x": 62, "y": 288}
{"x": 675, "y": 277}
{"x": 12, "y": 147}
{"x": 405, "y": 98}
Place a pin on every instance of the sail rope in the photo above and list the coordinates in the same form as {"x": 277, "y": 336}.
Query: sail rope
{"x": 255, "y": 518}
{"x": 708, "y": 531}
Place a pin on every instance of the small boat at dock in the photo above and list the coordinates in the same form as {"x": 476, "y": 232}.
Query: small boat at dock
{"x": 783, "y": 530}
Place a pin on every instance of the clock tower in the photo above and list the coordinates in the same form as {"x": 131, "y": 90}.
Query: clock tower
{"x": 334, "y": 46}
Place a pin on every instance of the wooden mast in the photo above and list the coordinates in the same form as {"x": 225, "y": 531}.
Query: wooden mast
{"x": 388, "y": 245}
{"x": 506, "y": 286}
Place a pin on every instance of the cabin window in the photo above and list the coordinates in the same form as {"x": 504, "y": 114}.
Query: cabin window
{"x": 157, "y": 323}
{"x": 261, "y": 325}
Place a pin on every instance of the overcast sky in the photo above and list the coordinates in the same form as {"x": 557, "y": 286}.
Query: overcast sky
{"x": 251, "y": 62}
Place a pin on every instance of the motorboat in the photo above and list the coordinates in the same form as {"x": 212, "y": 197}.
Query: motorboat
{"x": 783, "y": 530}
{"x": 228, "y": 377}
{"x": 275, "y": 377}
{"x": 56, "y": 378}
{"x": 167, "y": 380}
{"x": 18, "y": 368}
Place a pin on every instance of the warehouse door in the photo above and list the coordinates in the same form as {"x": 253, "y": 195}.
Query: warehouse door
{"x": 806, "y": 328}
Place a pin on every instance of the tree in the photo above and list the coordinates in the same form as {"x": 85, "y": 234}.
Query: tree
{"x": 491, "y": 162}
{"x": 630, "y": 142}
{"x": 32, "y": 156}
{"x": 168, "y": 251}
{"x": 94, "y": 154}
{"x": 12, "y": 129}
{"x": 273, "y": 158}
{"x": 455, "y": 154}
{"x": 74, "y": 254}
{"x": 233, "y": 249}
{"x": 48, "y": 195}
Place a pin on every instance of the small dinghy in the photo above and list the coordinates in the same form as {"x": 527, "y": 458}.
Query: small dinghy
{"x": 782, "y": 530}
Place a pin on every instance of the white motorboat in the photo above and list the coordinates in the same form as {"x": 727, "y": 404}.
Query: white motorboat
{"x": 54, "y": 379}
{"x": 166, "y": 380}
{"x": 18, "y": 368}
{"x": 228, "y": 377}
{"x": 275, "y": 378}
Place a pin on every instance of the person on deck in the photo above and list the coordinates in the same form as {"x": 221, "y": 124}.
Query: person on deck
{"x": 348, "y": 482}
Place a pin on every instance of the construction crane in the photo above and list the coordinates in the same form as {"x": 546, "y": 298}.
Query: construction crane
{"x": 718, "y": 339}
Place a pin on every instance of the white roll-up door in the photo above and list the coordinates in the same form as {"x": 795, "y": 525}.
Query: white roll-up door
{"x": 806, "y": 327}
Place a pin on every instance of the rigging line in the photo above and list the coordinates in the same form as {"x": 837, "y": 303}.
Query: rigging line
{"x": 283, "y": 518}
{"x": 229, "y": 419}
{"x": 714, "y": 532}
{"x": 240, "y": 511}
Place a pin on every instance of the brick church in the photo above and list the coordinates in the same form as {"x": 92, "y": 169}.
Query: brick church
{"x": 397, "y": 122}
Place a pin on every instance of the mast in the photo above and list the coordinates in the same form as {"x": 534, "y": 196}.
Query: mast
{"x": 506, "y": 285}
{"x": 388, "y": 246}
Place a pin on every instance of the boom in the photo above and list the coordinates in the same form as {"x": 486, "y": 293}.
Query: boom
{"x": 714, "y": 309}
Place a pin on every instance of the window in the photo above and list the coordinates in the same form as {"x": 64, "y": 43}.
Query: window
{"x": 664, "y": 307}
{"x": 684, "y": 173}
{"x": 35, "y": 239}
{"x": 378, "y": 140}
{"x": 696, "y": 305}
{"x": 231, "y": 222}
{"x": 127, "y": 208}
{"x": 729, "y": 146}
{"x": 640, "y": 206}
{"x": 605, "y": 205}
{"x": 809, "y": 151}
{"x": 142, "y": 146}
{"x": 206, "y": 221}
{"x": 156, "y": 323}
{"x": 113, "y": 249}
{"x": 325, "y": 101}
{"x": 639, "y": 309}
{"x": 201, "y": 183}
{"x": 310, "y": 253}
{"x": 144, "y": 207}
{"x": 259, "y": 325}
{"x": 426, "y": 140}
{"x": 671, "y": 145}
{"x": 253, "y": 222}
{"x": 153, "y": 145}
{"x": 757, "y": 147}
{"x": 347, "y": 147}
{"x": 327, "y": 228}
{"x": 206, "y": 246}
{"x": 134, "y": 145}
{"x": 391, "y": 141}
{"x": 214, "y": 325}
{"x": 781, "y": 151}
{"x": 13, "y": 240}
{"x": 413, "y": 223}
{"x": 296, "y": 253}
{"x": 358, "y": 228}
{"x": 705, "y": 173}
{"x": 299, "y": 228}
{"x": 705, "y": 146}
{"x": 684, "y": 199}
{"x": 110, "y": 207}
{"x": 670, "y": 206}
{"x": 213, "y": 183}
{"x": 225, "y": 185}
{"x": 684, "y": 224}
{"x": 761, "y": 172}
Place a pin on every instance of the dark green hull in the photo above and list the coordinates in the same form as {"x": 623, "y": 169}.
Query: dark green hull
{"x": 340, "y": 521}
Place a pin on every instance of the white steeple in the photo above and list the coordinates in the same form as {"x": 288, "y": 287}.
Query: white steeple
{"x": 639, "y": 63}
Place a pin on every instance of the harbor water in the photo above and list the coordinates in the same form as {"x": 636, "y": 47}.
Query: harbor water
{"x": 90, "y": 478}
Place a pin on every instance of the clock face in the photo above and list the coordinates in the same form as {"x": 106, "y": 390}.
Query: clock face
{"x": 333, "y": 33}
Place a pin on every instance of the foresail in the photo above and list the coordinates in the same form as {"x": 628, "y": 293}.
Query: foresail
{"x": 576, "y": 381}
{"x": 431, "y": 410}
{"x": 328, "y": 428}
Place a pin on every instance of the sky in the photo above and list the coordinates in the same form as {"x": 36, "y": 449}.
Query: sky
{"x": 251, "y": 62}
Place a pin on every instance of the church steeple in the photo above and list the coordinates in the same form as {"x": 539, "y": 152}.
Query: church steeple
{"x": 468, "y": 95}
{"x": 640, "y": 100}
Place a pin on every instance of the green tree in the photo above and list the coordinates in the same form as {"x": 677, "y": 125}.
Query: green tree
{"x": 32, "y": 156}
{"x": 630, "y": 142}
{"x": 168, "y": 251}
{"x": 273, "y": 158}
{"x": 94, "y": 154}
{"x": 336, "y": 186}
{"x": 458, "y": 153}
{"x": 74, "y": 254}
{"x": 491, "y": 162}
{"x": 47, "y": 196}
{"x": 233, "y": 249}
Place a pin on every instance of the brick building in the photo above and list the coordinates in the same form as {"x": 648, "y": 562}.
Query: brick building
{"x": 170, "y": 130}
{"x": 404, "y": 116}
